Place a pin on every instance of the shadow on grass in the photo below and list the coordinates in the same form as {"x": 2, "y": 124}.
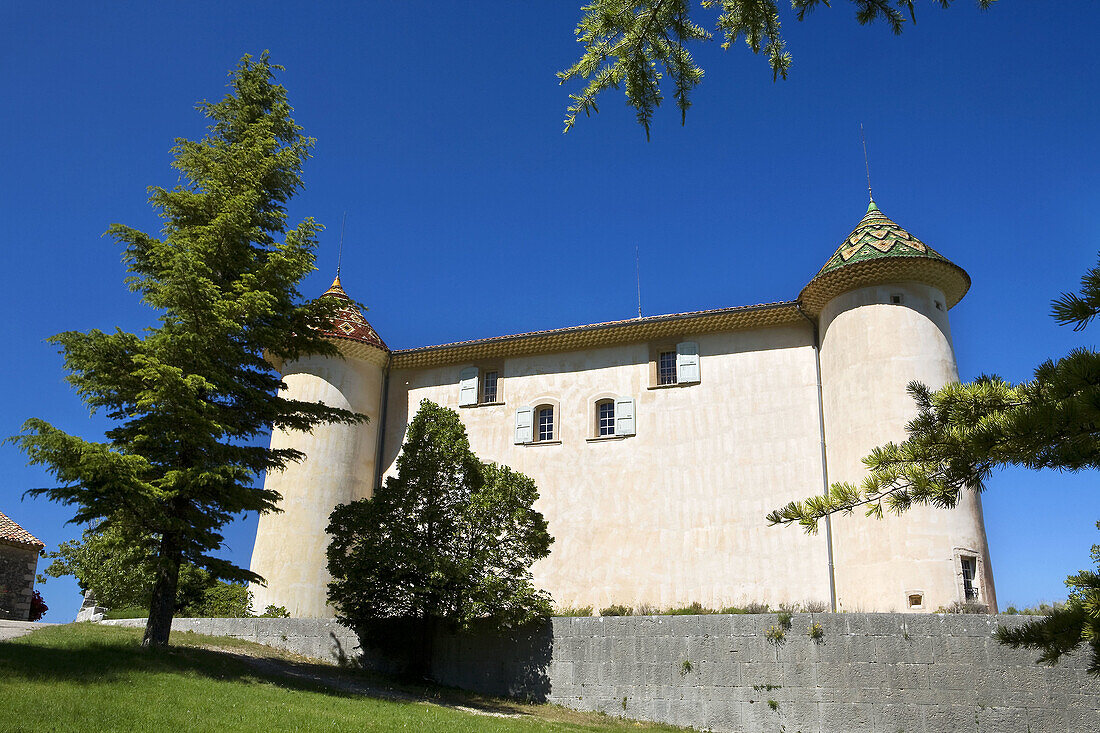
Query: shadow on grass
{"x": 88, "y": 654}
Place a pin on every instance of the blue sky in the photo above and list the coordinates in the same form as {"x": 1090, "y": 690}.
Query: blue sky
{"x": 469, "y": 214}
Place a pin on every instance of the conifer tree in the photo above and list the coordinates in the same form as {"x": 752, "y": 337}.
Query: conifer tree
{"x": 964, "y": 431}
{"x": 449, "y": 539}
{"x": 636, "y": 43}
{"x": 190, "y": 396}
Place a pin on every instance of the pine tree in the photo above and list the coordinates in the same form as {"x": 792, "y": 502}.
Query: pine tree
{"x": 190, "y": 396}
{"x": 635, "y": 43}
{"x": 448, "y": 540}
{"x": 964, "y": 431}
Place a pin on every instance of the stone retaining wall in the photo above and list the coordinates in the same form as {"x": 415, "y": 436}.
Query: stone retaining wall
{"x": 868, "y": 673}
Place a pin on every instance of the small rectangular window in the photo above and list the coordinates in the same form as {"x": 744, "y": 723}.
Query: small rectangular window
{"x": 489, "y": 387}
{"x": 546, "y": 423}
{"x": 970, "y": 588}
{"x": 895, "y": 299}
{"x": 666, "y": 367}
{"x": 606, "y": 419}
{"x": 916, "y": 600}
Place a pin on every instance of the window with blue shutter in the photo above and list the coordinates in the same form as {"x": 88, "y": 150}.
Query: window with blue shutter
{"x": 687, "y": 362}
{"x": 525, "y": 425}
{"x": 624, "y": 416}
{"x": 467, "y": 387}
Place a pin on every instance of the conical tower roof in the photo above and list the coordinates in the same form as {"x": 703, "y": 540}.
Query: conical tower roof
{"x": 350, "y": 323}
{"x": 879, "y": 251}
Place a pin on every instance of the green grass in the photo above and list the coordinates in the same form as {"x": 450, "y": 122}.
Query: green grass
{"x": 85, "y": 677}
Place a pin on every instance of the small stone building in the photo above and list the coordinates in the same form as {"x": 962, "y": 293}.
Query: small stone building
{"x": 18, "y": 562}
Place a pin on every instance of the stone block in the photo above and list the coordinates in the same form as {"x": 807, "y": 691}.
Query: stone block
{"x": 898, "y": 718}
{"x": 951, "y": 718}
{"x": 1003, "y": 720}
{"x": 901, "y": 650}
{"x": 847, "y": 717}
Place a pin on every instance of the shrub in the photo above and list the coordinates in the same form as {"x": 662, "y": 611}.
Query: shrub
{"x": 816, "y": 632}
{"x": 695, "y": 609}
{"x": 755, "y": 607}
{"x": 646, "y": 610}
{"x": 776, "y": 635}
{"x": 815, "y": 606}
{"x": 964, "y": 607}
{"x": 617, "y": 610}
{"x": 783, "y": 618}
{"x": 567, "y": 612}
{"x": 221, "y": 600}
{"x": 275, "y": 612}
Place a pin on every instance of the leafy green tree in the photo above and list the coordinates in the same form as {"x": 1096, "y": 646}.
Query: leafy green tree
{"x": 964, "y": 431}
{"x": 120, "y": 568}
{"x": 449, "y": 539}
{"x": 191, "y": 396}
{"x": 635, "y": 43}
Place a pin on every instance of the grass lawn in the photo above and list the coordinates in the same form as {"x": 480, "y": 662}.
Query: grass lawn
{"x": 85, "y": 677}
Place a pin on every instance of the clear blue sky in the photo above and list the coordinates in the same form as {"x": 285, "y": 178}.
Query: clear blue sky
{"x": 438, "y": 130}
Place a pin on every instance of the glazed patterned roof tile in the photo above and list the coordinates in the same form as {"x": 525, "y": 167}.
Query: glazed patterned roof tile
{"x": 879, "y": 251}
{"x": 13, "y": 533}
{"x": 877, "y": 236}
{"x": 350, "y": 323}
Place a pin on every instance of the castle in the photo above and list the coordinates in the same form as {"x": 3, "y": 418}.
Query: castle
{"x": 659, "y": 444}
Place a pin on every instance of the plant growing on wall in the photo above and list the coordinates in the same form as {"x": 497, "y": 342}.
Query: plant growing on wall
{"x": 448, "y": 540}
{"x": 190, "y": 396}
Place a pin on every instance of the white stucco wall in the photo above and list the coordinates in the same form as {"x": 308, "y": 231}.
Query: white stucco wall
{"x": 339, "y": 467}
{"x": 871, "y": 349}
{"x": 674, "y": 514}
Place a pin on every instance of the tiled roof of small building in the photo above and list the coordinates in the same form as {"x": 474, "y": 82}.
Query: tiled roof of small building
{"x": 14, "y": 534}
{"x": 350, "y": 323}
{"x": 878, "y": 251}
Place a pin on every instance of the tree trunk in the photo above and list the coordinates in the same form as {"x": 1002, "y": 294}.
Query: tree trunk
{"x": 163, "y": 605}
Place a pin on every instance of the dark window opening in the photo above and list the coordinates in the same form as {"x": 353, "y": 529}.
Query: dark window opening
{"x": 666, "y": 367}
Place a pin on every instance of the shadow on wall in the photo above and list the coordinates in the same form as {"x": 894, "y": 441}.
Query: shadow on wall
{"x": 510, "y": 663}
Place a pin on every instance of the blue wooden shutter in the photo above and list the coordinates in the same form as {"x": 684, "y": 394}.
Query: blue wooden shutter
{"x": 624, "y": 416}
{"x": 467, "y": 387}
{"x": 687, "y": 362}
{"x": 525, "y": 425}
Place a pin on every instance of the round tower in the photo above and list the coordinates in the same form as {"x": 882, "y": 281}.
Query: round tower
{"x": 340, "y": 464}
{"x": 881, "y": 303}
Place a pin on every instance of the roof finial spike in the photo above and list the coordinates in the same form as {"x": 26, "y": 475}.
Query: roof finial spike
{"x": 340, "y": 252}
{"x": 866, "y": 164}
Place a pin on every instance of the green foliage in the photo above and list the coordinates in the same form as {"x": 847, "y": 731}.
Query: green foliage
{"x": 695, "y": 609}
{"x": 774, "y": 705}
{"x": 776, "y": 634}
{"x": 783, "y": 618}
{"x": 448, "y": 538}
{"x": 1043, "y": 609}
{"x": 634, "y": 44}
{"x": 221, "y": 600}
{"x": 580, "y": 611}
{"x": 963, "y": 431}
{"x": 1068, "y": 626}
{"x": 118, "y": 566}
{"x": 273, "y": 611}
{"x": 191, "y": 396}
{"x": 816, "y": 632}
{"x": 617, "y": 610}
{"x": 685, "y": 667}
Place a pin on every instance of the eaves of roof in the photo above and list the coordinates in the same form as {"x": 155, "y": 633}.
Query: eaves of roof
{"x": 597, "y": 335}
